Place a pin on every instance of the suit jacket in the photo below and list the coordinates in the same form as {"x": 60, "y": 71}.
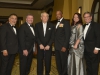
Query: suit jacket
{"x": 49, "y": 36}
{"x": 8, "y": 39}
{"x": 92, "y": 38}
{"x": 26, "y": 38}
{"x": 62, "y": 35}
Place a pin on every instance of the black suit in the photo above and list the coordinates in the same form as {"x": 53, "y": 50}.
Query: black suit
{"x": 91, "y": 41}
{"x": 9, "y": 42}
{"x": 62, "y": 35}
{"x": 44, "y": 40}
{"x": 26, "y": 42}
{"x": 0, "y": 50}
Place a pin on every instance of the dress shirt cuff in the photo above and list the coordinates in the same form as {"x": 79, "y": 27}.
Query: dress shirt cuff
{"x": 97, "y": 48}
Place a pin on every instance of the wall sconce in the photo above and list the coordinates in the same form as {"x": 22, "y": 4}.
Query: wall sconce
{"x": 80, "y": 10}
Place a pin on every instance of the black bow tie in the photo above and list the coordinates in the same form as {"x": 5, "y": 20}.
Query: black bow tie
{"x": 86, "y": 24}
{"x": 14, "y": 26}
{"x": 31, "y": 26}
{"x": 58, "y": 21}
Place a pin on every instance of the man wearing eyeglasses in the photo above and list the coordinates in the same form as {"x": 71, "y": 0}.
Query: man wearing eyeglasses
{"x": 92, "y": 44}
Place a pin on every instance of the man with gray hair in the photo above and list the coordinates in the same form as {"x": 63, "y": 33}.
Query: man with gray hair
{"x": 91, "y": 43}
{"x": 44, "y": 38}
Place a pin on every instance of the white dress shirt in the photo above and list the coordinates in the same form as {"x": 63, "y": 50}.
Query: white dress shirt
{"x": 32, "y": 29}
{"x": 59, "y": 22}
{"x": 33, "y": 34}
{"x": 86, "y": 29}
{"x": 14, "y": 29}
{"x": 44, "y": 28}
{"x": 85, "y": 32}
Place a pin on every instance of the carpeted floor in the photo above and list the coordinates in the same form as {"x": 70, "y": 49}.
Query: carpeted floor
{"x": 33, "y": 71}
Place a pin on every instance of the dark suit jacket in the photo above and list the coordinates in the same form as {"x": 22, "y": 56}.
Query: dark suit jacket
{"x": 8, "y": 39}
{"x": 62, "y": 35}
{"x": 49, "y": 36}
{"x": 92, "y": 39}
{"x": 26, "y": 38}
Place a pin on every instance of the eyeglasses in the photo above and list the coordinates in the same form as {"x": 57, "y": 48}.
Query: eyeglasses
{"x": 87, "y": 17}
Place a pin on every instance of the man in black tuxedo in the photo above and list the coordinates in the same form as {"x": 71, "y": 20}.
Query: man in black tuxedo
{"x": 0, "y": 48}
{"x": 9, "y": 45}
{"x": 26, "y": 44}
{"x": 62, "y": 36}
{"x": 92, "y": 44}
{"x": 45, "y": 37}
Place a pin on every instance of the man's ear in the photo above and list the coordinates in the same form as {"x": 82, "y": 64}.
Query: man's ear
{"x": 41, "y": 18}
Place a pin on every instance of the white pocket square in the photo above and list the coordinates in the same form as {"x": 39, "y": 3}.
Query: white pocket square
{"x": 49, "y": 29}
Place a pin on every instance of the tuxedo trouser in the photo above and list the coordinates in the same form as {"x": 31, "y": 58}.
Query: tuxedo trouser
{"x": 92, "y": 63}
{"x": 7, "y": 64}
{"x": 25, "y": 63}
{"x": 61, "y": 61}
{"x": 44, "y": 58}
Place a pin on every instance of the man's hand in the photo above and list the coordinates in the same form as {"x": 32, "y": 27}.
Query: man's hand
{"x": 5, "y": 53}
{"x": 63, "y": 49}
{"x": 25, "y": 52}
{"x": 95, "y": 51}
{"x": 41, "y": 46}
{"x": 47, "y": 47}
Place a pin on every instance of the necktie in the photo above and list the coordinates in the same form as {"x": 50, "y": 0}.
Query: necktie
{"x": 13, "y": 26}
{"x": 31, "y": 26}
{"x": 86, "y": 24}
{"x": 58, "y": 21}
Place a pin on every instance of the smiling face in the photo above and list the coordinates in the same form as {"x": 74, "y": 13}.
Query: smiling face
{"x": 76, "y": 18}
{"x": 58, "y": 15}
{"x": 29, "y": 19}
{"x": 44, "y": 17}
{"x": 87, "y": 18}
{"x": 13, "y": 20}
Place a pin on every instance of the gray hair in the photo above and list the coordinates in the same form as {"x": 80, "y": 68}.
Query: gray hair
{"x": 87, "y": 13}
{"x": 44, "y": 13}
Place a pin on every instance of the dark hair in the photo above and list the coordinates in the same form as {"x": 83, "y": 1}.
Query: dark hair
{"x": 80, "y": 19}
{"x": 60, "y": 11}
{"x": 87, "y": 13}
{"x": 12, "y": 15}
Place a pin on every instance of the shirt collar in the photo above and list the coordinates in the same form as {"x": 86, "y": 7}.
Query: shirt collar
{"x": 28, "y": 23}
{"x": 61, "y": 19}
{"x": 11, "y": 24}
{"x": 88, "y": 24}
{"x": 44, "y": 23}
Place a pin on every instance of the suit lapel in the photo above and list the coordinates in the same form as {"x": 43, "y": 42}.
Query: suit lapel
{"x": 59, "y": 24}
{"x": 12, "y": 29}
{"x": 47, "y": 29}
{"x": 41, "y": 28}
{"x": 29, "y": 28}
{"x": 88, "y": 30}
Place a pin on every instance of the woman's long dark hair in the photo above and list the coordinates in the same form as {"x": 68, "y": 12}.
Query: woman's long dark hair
{"x": 80, "y": 19}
